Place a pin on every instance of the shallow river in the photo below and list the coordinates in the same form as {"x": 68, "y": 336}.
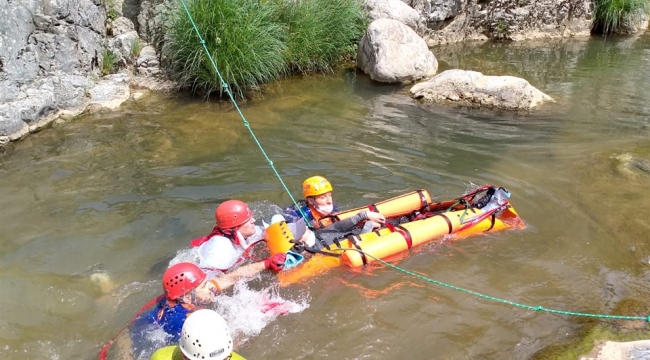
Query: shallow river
{"x": 121, "y": 193}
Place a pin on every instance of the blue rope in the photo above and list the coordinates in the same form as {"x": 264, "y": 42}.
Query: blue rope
{"x": 246, "y": 123}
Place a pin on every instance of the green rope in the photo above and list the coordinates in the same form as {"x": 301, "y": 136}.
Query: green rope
{"x": 246, "y": 123}
{"x": 492, "y": 298}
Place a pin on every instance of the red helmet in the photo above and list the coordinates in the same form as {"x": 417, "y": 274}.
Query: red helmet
{"x": 181, "y": 278}
{"x": 232, "y": 213}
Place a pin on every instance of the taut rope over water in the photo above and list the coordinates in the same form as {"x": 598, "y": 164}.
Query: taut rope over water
{"x": 492, "y": 298}
{"x": 232, "y": 98}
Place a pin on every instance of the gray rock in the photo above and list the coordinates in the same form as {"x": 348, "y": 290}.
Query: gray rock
{"x": 110, "y": 92}
{"x": 396, "y": 10}
{"x": 612, "y": 350}
{"x": 11, "y": 122}
{"x": 121, "y": 44}
{"x": 442, "y": 10}
{"x": 474, "y": 88}
{"x": 122, "y": 25}
{"x": 392, "y": 52}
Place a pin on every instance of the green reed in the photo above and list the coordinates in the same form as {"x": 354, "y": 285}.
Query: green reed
{"x": 259, "y": 41}
{"x": 321, "y": 33}
{"x": 611, "y": 16}
{"x": 242, "y": 37}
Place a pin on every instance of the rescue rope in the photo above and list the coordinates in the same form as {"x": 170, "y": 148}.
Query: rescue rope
{"x": 503, "y": 301}
{"x": 246, "y": 123}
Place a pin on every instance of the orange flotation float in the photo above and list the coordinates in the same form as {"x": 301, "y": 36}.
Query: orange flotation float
{"x": 416, "y": 221}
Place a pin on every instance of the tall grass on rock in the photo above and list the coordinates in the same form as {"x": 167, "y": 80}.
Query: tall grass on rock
{"x": 614, "y": 16}
{"x": 321, "y": 34}
{"x": 241, "y": 35}
{"x": 259, "y": 41}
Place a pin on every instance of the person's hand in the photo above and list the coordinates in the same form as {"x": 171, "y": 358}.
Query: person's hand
{"x": 376, "y": 217}
{"x": 275, "y": 262}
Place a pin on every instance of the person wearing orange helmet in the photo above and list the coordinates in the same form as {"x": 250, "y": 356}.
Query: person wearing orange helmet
{"x": 226, "y": 246}
{"x": 317, "y": 203}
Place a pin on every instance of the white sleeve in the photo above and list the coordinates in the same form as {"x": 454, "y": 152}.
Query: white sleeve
{"x": 218, "y": 253}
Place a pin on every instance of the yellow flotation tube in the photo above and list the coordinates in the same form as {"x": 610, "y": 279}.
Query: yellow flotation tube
{"x": 459, "y": 218}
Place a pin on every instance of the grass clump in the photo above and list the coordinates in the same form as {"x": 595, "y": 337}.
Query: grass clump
{"x": 242, "y": 37}
{"x": 259, "y": 41}
{"x": 136, "y": 48}
{"x": 613, "y": 16}
{"x": 109, "y": 61}
{"x": 320, "y": 34}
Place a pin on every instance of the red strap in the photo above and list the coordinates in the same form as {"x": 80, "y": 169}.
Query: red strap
{"x": 198, "y": 241}
{"x": 390, "y": 226}
{"x": 104, "y": 351}
{"x": 482, "y": 217}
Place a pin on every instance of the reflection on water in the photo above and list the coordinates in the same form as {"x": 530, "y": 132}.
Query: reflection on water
{"x": 121, "y": 193}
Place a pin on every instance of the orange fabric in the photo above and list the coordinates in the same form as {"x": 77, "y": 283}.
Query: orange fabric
{"x": 216, "y": 284}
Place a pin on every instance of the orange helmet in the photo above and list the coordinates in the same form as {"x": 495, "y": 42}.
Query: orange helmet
{"x": 181, "y": 278}
{"x": 232, "y": 213}
{"x": 315, "y": 185}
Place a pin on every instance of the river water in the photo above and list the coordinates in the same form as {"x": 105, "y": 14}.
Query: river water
{"x": 121, "y": 193}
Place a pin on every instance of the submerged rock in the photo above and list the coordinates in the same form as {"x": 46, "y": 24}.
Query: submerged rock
{"x": 620, "y": 351}
{"x": 631, "y": 165}
{"x": 474, "y": 88}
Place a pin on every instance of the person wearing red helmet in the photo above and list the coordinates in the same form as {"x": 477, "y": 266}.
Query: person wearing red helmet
{"x": 186, "y": 288}
{"x": 225, "y": 247}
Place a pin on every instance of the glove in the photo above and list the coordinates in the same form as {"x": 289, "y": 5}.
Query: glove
{"x": 275, "y": 262}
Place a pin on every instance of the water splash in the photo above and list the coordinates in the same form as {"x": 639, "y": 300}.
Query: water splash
{"x": 249, "y": 311}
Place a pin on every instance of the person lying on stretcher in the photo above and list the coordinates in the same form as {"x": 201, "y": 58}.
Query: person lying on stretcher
{"x": 281, "y": 237}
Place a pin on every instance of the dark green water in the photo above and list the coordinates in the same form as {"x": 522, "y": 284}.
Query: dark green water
{"x": 123, "y": 192}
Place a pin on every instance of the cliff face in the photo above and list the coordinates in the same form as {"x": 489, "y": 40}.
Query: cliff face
{"x": 458, "y": 20}
{"x": 50, "y": 55}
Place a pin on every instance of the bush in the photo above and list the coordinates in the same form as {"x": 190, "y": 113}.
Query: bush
{"x": 242, "y": 38}
{"x": 321, "y": 33}
{"x": 612, "y": 15}
{"x": 259, "y": 41}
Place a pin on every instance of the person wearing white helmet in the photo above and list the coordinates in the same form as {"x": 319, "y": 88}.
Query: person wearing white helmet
{"x": 205, "y": 335}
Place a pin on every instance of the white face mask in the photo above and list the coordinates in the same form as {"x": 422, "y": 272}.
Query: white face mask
{"x": 325, "y": 209}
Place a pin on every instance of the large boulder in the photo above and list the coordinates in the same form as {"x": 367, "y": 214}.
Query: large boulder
{"x": 474, "y": 88}
{"x": 396, "y": 10}
{"x": 392, "y": 52}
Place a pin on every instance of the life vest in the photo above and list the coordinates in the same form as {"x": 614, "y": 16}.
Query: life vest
{"x": 174, "y": 353}
{"x": 170, "y": 315}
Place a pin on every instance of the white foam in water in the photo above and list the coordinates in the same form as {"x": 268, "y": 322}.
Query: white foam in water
{"x": 249, "y": 311}
{"x": 186, "y": 255}
{"x": 156, "y": 338}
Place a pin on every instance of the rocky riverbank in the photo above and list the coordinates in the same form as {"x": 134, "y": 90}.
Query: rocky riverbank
{"x": 56, "y": 56}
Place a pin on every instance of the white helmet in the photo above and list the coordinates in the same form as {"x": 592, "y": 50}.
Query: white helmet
{"x": 205, "y": 335}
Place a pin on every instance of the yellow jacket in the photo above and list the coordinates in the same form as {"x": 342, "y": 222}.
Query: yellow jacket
{"x": 174, "y": 353}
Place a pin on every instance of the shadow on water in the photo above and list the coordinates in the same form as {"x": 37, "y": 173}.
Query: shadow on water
{"x": 123, "y": 192}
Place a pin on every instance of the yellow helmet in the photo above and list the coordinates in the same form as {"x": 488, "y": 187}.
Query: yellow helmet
{"x": 279, "y": 238}
{"x": 316, "y": 185}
